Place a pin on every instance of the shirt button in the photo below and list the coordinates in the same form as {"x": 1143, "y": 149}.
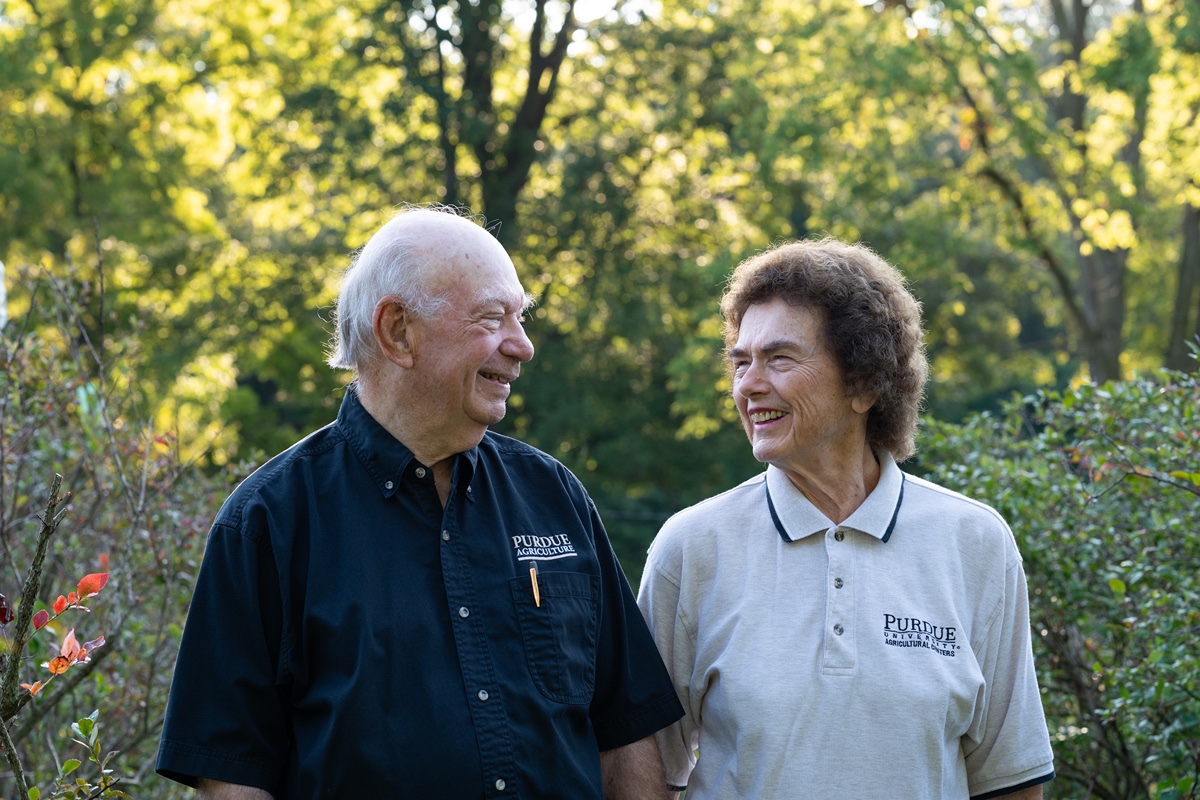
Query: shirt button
{"x": 483, "y": 695}
{"x": 464, "y": 612}
{"x": 420, "y": 472}
{"x": 445, "y": 536}
{"x": 500, "y": 784}
{"x": 388, "y": 485}
{"x": 839, "y": 536}
{"x": 837, "y": 583}
{"x": 838, "y": 629}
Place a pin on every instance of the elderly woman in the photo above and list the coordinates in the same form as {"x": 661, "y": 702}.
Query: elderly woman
{"x": 835, "y": 627}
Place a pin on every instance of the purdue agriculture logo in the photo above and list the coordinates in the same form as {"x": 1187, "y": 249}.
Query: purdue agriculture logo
{"x": 915, "y": 632}
{"x": 543, "y": 548}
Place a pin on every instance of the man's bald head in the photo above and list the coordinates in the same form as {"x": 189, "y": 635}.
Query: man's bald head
{"x": 414, "y": 257}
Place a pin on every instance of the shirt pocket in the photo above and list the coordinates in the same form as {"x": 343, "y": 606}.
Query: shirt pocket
{"x": 560, "y": 634}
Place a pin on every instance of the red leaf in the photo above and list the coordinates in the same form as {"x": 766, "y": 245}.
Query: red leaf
{"x": 72, "y": 598}
{"x": 91, "y": 584}
{"x": 40, "y": 619}
{"x": 6, "y": 614}
{"x": 103, "y": 561}
{"x": 60, "y": 605}
{"x": 88, "y": 647}
{"x": 58, "y": 665}
{"x": 33, "y": 688}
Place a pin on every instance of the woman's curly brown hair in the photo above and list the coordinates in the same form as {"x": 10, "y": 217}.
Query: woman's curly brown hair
{"x": 872, "y": 325}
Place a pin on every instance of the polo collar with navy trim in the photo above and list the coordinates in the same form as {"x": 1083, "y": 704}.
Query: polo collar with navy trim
{"x": 385, "y": 458}
{"x": 795, "y": 517}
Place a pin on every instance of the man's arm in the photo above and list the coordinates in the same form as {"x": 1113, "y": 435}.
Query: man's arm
{"x": 634, "y": 772}
{"x": 216, "y": 790}
{"x": 1032, "y": 793}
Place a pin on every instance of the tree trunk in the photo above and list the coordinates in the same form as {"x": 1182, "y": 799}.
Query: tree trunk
{"x": 1185, "y": 319}
{"x": 1102, "y": 281}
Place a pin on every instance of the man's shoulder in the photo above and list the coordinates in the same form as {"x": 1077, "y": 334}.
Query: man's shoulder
{"x": 275, "y": 479}
{"x": 514, "y": 453}
{"x": 510, "y": 446}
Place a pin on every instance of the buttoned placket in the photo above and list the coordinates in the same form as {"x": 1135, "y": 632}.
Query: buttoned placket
{"x": 840, "y": 649}
{"x": 486, "y": 701}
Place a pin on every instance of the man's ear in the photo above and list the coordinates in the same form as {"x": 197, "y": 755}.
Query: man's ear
{"x": 392, "y": 325}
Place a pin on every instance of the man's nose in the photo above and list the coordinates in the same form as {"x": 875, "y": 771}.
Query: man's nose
{"x": 517, "y": 345}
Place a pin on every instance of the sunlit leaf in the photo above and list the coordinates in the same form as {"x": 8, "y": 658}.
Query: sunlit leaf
{"x": 40, "y": 619}
{"x": 60, "y": 605}
{"x": 33, "y": 688}
{"x": 91, "y": 584}
{"x": 58, "y": 665}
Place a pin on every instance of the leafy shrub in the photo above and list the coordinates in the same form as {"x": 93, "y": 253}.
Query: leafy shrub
{"x": 1102, "y": 488}
{"x": 69, "y": 405}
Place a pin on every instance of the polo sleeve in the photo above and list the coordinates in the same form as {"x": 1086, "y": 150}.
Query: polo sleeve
{"x": 226, "y": 719}
{"x": 1008, "y": 746}
{"x": 659, "y": 600}
{"x": 633, "y": 696}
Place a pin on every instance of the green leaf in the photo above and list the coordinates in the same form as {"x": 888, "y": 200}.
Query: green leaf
{"x": 69, "y": 766}
{"x": 34, "y": 793}
{"x": 1117, "y": 585}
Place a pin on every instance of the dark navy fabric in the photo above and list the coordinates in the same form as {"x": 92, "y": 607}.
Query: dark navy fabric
{"x": 350, "y": 638}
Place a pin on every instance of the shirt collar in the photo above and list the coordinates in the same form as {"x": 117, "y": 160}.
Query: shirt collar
{"x": 384, "y": 457}
{"x": 795, "y": 517}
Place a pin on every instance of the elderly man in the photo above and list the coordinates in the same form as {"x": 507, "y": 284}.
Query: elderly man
{"x": 405, "y": 604}
{"x": 835, "y": 627}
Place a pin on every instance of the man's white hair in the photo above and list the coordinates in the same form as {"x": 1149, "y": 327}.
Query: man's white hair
{"x": 395, "y": 262}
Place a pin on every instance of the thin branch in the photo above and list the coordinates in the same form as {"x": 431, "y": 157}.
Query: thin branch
{"x": 10, "y": 703}
{"x": 10, "y": 754}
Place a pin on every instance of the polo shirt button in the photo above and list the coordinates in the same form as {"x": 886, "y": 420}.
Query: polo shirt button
{"x": 388, "y": 485}
{"x": 500, "y": 784}
{"x": 445, "y": 536}
{"x": 837, "y": 583}
{"x": 464, "y": 612}
{"x": 420, "y": 472}
{"x": 839, "y": 536}
{"x": 838, "y": 629}
{"x": 483, "y": 695}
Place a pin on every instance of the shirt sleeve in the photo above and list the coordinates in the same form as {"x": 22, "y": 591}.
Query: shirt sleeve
{"x": 1008, "y": 746}
{"x": 226, "y": 718}
{"x": 658, "y": 599}
{"x": 633, "y": 696}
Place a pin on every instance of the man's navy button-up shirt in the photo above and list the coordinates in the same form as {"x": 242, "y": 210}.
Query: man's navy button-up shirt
{"x": 350, "y": 637}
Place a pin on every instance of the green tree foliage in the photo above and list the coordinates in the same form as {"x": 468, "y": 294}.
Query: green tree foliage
{"x": 1101, "y": 487}
{"x": 1080, "y": 120}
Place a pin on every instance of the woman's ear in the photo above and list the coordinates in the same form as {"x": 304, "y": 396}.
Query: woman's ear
{"x": 391, "y": 324}
{"x": 863, "y": 403}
